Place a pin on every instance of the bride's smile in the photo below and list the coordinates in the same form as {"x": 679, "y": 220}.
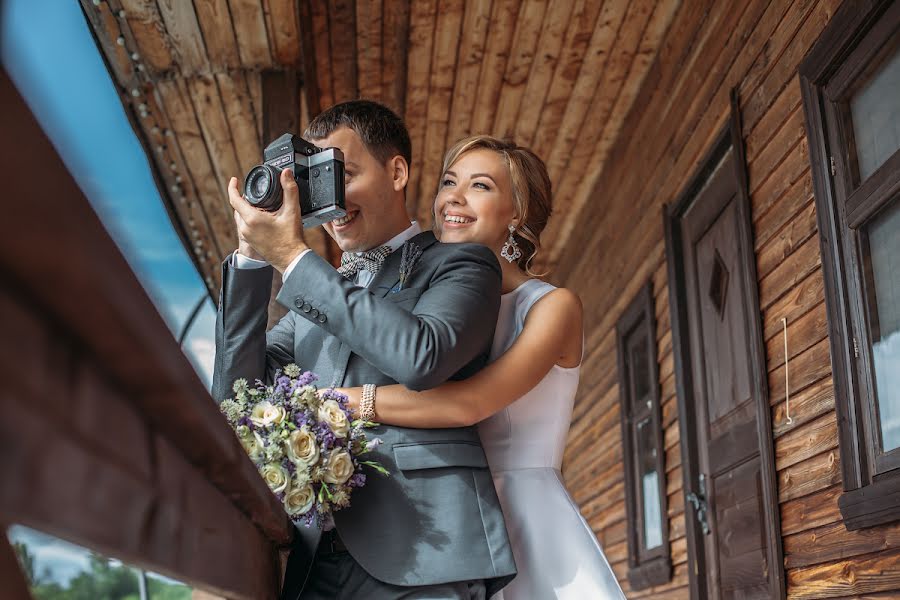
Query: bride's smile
{"x": 474, "y": 200}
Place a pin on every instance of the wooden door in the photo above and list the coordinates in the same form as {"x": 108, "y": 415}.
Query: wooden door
{"x": 730, "y": 499}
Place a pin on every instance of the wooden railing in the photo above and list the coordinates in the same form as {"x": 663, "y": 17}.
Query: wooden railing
{"x": 108, "y": 439}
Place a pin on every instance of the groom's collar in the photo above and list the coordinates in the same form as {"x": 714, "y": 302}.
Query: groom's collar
{"x": 410, "y": 232}
{"x": 396, "y": 242}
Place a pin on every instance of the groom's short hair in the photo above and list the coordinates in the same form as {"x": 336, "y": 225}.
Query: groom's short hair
{"x": 381, "y": 129}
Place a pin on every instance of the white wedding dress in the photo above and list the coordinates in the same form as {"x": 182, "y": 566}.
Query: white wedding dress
{"x": 557, "y": 554}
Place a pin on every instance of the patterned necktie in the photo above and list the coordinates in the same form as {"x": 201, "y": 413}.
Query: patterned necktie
{"x": 370, "y": 260}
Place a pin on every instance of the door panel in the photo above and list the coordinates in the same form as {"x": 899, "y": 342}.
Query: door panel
{"x": 721, "y": 314}
{"x": 727, "y": 407}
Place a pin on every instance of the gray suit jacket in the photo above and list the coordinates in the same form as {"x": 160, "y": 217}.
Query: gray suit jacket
{"x": 436, "y": 518}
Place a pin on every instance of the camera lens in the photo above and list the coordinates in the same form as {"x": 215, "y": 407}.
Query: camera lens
{"x": 260, "y": 184}
{"x": 262, "y": 188}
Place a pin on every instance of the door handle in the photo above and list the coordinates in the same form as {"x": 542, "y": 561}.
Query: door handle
{"x": 701, "y": 507}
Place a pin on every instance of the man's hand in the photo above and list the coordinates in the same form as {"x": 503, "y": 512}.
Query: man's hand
{"x": 276, "y": 237}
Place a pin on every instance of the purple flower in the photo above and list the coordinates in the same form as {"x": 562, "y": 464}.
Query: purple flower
{"x": 333, "y": 394}
{"x": 283, "y": 385}
{"x": 307, "y": 378}
{"x": 357, "y": 480}
{"x": 325, "y": 436}
{"x": 301, "y": 418}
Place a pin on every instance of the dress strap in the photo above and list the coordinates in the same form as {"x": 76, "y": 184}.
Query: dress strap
{"x": 529, "y": 297}
{"x": 532, "y": 291}
{"x": 536, "y": 290}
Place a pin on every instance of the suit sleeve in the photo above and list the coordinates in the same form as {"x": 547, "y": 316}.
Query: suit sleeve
{"x": 452, "y": 323}
{"x": 243, "y": 348}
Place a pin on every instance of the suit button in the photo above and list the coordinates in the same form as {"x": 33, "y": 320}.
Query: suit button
{"x": 322, "y": 318}
{"x": 298, "y": 301}
{"x": 306, "y": 307}
{"x": 314, "y": 313}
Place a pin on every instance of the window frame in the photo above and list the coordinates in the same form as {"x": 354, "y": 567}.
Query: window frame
{"x": 857, "y": 37}
{"x": 646, "y": 567}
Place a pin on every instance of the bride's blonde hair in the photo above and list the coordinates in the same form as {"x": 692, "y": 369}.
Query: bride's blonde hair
{"x": 531, "y": 190}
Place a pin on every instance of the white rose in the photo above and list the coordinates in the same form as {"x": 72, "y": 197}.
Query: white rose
{"x": 265, "y": 413}
{"x": 331, "y": 413}
{"x": 276, "y": 477}
{"x": 252, "y": 444}
{"x": 302, "y": 448}
{"x": 299, "y": 500}
{"x": 338, "y": 467}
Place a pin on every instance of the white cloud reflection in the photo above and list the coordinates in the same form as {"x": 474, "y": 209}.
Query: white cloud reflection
{"x": 59, "y": 560}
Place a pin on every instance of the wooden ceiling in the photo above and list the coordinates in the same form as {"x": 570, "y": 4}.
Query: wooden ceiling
{"x": 204, "y": 82}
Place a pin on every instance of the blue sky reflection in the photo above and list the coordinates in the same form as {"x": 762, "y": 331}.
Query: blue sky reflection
{"x": 61, "y": 75}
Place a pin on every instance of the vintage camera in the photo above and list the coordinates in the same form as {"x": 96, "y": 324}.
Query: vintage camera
{"x": 319, "y": 173}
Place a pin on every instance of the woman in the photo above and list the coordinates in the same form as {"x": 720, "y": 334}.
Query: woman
{"x": 498, "y": 194}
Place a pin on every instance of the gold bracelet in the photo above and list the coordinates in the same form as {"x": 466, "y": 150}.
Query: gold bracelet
{"x": 367, "y": 403}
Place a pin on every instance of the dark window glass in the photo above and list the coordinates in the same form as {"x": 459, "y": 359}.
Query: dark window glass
{"x": 875, "y": 114}
{"x": 649, "y": 559}
{"x": 641, "y": 370}
{"x": 882, "y": 258}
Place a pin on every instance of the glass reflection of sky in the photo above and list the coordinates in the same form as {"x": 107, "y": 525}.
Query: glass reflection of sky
{"x": 884, "y": 261}
{"x": 54, "y": 62}
{"x": 886, "y": 355}
{"x": 60, "y": 560}
{"x": 56, "y": 560}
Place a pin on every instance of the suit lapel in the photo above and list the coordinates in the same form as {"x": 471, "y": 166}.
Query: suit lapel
{"x": 383, "y": 282}
{"x": 389, "y": 275}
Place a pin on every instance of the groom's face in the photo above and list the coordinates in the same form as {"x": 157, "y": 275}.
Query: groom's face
{"x": 375, "y": 206}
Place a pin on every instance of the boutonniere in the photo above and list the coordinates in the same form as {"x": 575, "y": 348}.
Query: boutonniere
{"x": 409, "y": 256}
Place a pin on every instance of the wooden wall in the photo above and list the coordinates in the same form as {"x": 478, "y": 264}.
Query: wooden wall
{"x": 711, "y": 48}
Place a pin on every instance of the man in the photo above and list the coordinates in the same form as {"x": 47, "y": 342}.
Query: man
{"x": 433, "y": 528}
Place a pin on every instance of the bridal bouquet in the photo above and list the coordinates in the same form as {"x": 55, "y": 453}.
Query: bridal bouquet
{"x": 303, "y": 441}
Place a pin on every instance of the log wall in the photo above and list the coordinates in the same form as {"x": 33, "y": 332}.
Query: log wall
{"x": 710, "y": 48}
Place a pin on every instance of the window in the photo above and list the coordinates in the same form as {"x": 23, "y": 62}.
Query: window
{"x": 642, "y": 443}
{"x": 93, "y": 136}
{"x": 54, "y": 569}
{"x": 851, "y": 83}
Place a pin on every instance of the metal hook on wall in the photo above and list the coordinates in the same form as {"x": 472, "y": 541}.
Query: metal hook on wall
{"x": 787, "y": 393}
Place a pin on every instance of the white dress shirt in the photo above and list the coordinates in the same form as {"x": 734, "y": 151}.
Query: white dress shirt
{"x": 363, "y": 277}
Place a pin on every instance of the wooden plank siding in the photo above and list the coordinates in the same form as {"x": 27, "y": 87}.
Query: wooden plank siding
{"x": 189, "y": 77}
{"x": 756, "y": 47}
{"x": 560, "y": 75}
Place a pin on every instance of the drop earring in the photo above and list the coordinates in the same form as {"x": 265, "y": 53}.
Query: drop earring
{"x": 511, "y": 251}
